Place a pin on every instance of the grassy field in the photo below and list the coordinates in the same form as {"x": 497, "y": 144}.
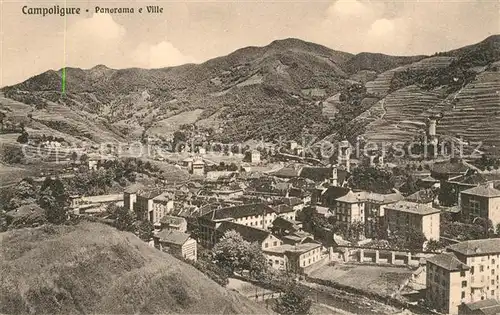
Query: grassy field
{"x": 93, "y": 268}
{"x": 377, "y": 279}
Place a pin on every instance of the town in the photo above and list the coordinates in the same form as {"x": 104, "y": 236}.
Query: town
{"x": 421, "y": 234}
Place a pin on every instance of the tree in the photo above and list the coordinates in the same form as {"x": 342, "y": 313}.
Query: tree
{"x": 406, "y": 237}
{"x": 447, "y": 195}
{"x": 74, "y": 156}
{"x": 433, "y": 246}
{"x": 23, "y": 193}
{"x": 372, "y": 179}
{"x": 124, "y": 219}
{"x": 294, "y": 301}
{"x": 54, "y": 199}
{"x": 23, "y": 138}
{"x": 2, "y": 117}
{"x": 235, "y": 254}
{"x": 144, "y": 230}
{"x": 13, "y": 155}
{"x": 84, "y": 158}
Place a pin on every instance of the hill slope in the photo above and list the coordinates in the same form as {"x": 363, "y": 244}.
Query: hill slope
{"x": 93, "y": 268}
{"x": 287, "y": 88}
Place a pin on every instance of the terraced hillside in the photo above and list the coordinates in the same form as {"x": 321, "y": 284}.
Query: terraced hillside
{"x": 287, "y": 88}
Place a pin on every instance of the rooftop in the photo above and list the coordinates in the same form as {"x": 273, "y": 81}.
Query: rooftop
{"x": 172, "y": 237}
{"x": 353, "y": 197}
{"x": 487, "y": 307}
{"x": 452, "y": 167}
{"x": 293, "y": 249}
{"x": 172, "y": 220}
{"x": 239, "y": 211}
{"x": 477, "y": 247}
{"x": 488, "y": 190}
{"x": 448, "y": 261}
{"x": 412, "y": 207}
{"x": 250, "y": 234}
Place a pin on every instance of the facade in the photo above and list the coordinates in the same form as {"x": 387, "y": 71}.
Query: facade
{"x": 481, "y": 202}
{"x": 293, "y": 258}
{"x": 176, "y": 243}
{"x": 255, "y": 157}
{"x": 416, "y": 215}
{"x": 153, "y": 205}
{"x": 467, "y": 272}
{"x": 375, "y": 204}
{"x": 258, "y": 216}
{"x": 350, "y": 208}
{"x": 198, "y": 167}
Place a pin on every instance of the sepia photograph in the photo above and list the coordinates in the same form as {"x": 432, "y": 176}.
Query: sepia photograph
{"x": 286, "y": 157}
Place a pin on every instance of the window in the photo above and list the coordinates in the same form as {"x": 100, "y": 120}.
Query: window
{"x": 492, "y": 271}
{"x": 472, "y": 268}
{"x": 462, "y": 273}
{"x": 463, "y": 294}
{"x": 266, "y": 245}
{"x": 492, "y": 292}
{"x": 474, "y": 207}
{"x": 481, "y": 268}
{"x": 276, "y": 261}
{"x": 275, "y": 243}
{"x": 464, "y": 284}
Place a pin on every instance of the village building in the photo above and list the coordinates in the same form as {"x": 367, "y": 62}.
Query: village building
{"x": 254, "y": 215}
{"x": 177, "y": 243}
{"x": 375, "y": 205}
{"x": 415, "y": 215}
{"x": 153, "y": 205}
{"x": 467, "y": 272}
{"x": 171, "y": 222}
{"x": 255, "y": 157}
{"x": 481, "y": 202}
{"x": 293, "y": 258}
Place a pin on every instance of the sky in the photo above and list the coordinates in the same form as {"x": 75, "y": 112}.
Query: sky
{"x": 195, "y": 31}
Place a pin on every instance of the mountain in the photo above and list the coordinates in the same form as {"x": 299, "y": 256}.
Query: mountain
{"x": 287, "y": 88}
{"x": 93, "y": 268}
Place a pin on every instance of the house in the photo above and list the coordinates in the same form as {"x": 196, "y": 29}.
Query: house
{"x": 264, "y": 238}
{"x": 285, "y": 211}
{"x": 95, "y": 204}
{"x": 255, "y": 157}
{"x": 256, "y": 215}
{"x": 293, "y": 258}
{"x": 482, "y": 202}
{"x": 177, "y": 243}
{"x": 453, "y": 168}
{"x": 467, "y": 272}
{"x": 153, "y": 205}
{"x": 334, "y": 175}
{"x": 198, "y": 167}
{"x": 171, "y": 222}
{"x": 419, "y": 216}
{"x": 375, "y": 212}
{"x": 483, "y": 307}
{"x": 350, "y": 208}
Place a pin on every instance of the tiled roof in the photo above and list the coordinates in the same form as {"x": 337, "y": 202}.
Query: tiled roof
{"x": 238, "y": 211}
{"x": 383, "y": 198}
{"x": 172, "y": 237}
{"x": 293, "y": 249}
{"x": 282, "y": 208}
{"x": 486, "y": 307}
{"x": 483, "y": 191}
{"x": 451, "y": 167}
{"x": 172, "y": 220}
{"x": 250, "y": 234}
{"x": 477, "y": 247}
{"x": 448, "y": 261}
{"x": 422, "y": 196}
{"x": 412, "y": 207}
{"x": 353, "y": 197}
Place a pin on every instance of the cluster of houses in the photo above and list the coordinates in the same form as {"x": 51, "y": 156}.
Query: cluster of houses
{"x": 263, "y": 208}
